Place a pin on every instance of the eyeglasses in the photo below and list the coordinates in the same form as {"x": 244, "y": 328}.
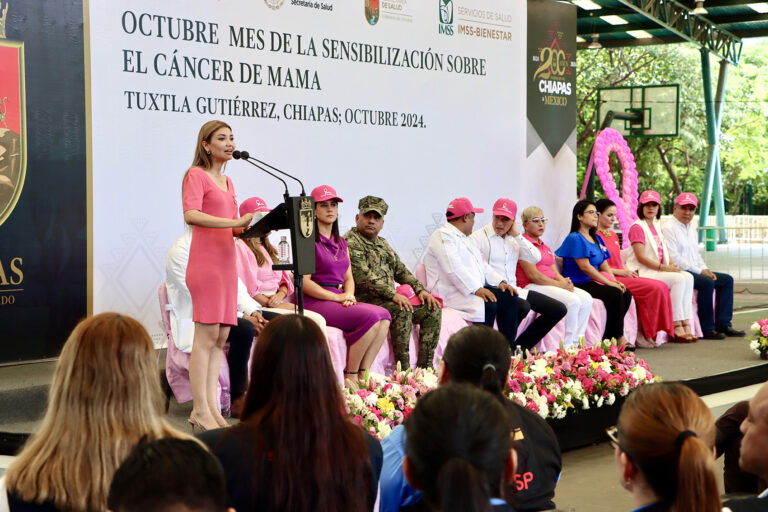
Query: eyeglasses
{"x": 613, "y": 436}
{"x": 592, "y": 212}
{"x": 542, "y": 220}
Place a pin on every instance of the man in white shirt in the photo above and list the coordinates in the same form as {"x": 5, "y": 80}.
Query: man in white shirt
{"x": 502, "y": 245}
{"x": 683, "y": 245}
{"x": 250, "y": 322}
{"x": 457, "y": 272}
{"x": 753, "y": 455}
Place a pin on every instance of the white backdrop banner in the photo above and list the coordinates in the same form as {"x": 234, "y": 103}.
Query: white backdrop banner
{"x": 415, "y": 102}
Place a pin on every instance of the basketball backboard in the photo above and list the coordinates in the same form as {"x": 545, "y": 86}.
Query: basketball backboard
{"x": 660, "y": 105}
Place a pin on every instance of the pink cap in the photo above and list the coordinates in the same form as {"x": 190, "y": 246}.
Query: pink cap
{"x": 649, "y": 196}
{"x": 505, "y": 207}
{"x": 253, "y": 205}
{"x": 406, "y": 291}
{"x": 687, "y": 198}
{"x": 461, "y": 206}
{"x": 325, "y": 193}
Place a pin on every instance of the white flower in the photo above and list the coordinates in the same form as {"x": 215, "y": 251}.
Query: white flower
{"x": 606, "y": 366}
{"x": 585, "y": 403}
{"x": 539, "y": 368}
{"x": 372, "y": 399}
{"x": 384, "y": 429}
{"x": 429, "y": 379}
{"x": 754, "y": 346}
{"x": 611, "y": 399}
{"x": 600, "y": 402}
{"x": 755, "y": 328}
{"x": 639, "y": 373}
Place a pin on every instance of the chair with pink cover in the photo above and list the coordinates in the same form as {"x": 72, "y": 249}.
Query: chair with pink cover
{"x": 177, "y": 362}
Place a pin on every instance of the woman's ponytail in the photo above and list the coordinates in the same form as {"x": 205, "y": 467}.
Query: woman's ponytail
{"x": 696, "y": 483}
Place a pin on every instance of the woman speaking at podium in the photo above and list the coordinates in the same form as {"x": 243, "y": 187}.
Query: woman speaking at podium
{"x": 210, "y": 208}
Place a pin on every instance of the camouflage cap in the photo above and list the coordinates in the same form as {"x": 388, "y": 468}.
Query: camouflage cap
{"x": 373, "y": 204}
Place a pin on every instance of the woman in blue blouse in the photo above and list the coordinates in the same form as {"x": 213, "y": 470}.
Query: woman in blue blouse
{"x": 585, "y": 262}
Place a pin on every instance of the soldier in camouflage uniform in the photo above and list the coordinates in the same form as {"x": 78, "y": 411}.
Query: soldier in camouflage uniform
{"x": 377, "y": 270}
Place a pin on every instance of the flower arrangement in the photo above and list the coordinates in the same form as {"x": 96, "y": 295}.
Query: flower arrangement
{"x": 552, "y": 384}
{"x": 758, "y": 340}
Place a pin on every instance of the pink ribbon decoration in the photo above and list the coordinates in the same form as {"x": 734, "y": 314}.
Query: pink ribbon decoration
{"x": 626, "y": 209}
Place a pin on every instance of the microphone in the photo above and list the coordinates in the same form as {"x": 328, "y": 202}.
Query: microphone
{"x": 245, "y": 155}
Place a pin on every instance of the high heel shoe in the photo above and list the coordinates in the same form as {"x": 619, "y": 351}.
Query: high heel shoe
{"x": 195, "y": 425}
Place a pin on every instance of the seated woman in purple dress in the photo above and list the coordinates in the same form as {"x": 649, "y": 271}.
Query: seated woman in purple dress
{"x": 330, "y": 291}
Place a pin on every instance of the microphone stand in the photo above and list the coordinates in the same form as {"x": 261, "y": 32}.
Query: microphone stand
{"x": 298, "y": 279}
{"x": 246, "y": 155}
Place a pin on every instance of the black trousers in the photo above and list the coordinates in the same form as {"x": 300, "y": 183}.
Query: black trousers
{"x": 550, "y": 312}
{"x": 507, "y": 311}
{"x": 240, "y": 340}
{"x": 616, "y": 305}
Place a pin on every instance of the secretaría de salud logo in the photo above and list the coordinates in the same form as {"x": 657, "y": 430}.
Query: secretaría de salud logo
{"x": 13, "y": 132}
{"x": 274, "y": 4}
{"x": 446, "y": 17}
{"x": 372, "y": 11}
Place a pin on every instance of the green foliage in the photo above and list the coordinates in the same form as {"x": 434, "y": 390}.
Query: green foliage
{"x": 744, "y": 129}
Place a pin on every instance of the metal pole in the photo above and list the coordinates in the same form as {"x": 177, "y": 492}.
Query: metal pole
{"x": 722, "y": 236}
{"x": 709, "y": 176}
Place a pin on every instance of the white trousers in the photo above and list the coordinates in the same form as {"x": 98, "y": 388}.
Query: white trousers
{"x": 315, "y": 317}
{"x": 579, "y": 306}
{"x": 680, "y": 290}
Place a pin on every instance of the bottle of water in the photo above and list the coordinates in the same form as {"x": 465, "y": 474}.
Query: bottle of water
{"x": 284, "y": 251}
{"x": 226, "y": 402}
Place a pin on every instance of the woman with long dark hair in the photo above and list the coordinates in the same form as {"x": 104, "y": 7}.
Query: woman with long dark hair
{"x": 650, "y": 258}
{"x": 654, "y": 306}
{"x": 459, "y": 451}
{"x": 210, "y": 207}
{"x": 585, "y": 263}
{"x": 295, "y": 448}
{"x": 330, "y": 291}
{"x": 664, "y": 449}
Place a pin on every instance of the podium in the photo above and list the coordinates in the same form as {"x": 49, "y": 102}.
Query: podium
{"x": 297, "y": 214}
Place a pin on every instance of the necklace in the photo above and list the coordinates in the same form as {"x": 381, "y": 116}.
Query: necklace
{"x": 607, "y": 233}
{"x": 334, "y": 255}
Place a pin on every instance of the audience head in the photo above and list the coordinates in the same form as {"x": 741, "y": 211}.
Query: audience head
{"x": 584, "y": 214}
{"x": 295, "y": 411}
{"x": 370, "y": 220}
{"x": 753, "y": 456}
{"x": 326, "y": 210}
{"x": 685, "y": 207}
{"x": 478, "y": 355}
{"x": 461, "y": 213}
{"x": 204, "y": 153}
{"x": 649, "y": 205}
{"x": 104, "y": 397}
{"x": 459, "y": 450}
{"x": 666, "y": 436}
{"x": 169, "y": 475}
{"x": 534, "y": 221}
{"x": 607, "y": 210}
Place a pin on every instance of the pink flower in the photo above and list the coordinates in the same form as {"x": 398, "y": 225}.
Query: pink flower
{"x": 514, "y": 386}
{"x": 532, "y": 406}
{"x": 764, "y": 329}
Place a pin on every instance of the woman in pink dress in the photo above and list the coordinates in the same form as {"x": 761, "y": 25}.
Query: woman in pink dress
{"x": 210, "y": 208}
{"x": 654, "y": 307}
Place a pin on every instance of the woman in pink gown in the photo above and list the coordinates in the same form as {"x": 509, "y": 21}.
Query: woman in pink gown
{"x": 210, "y": 208}
{"x": 654, "y": 306}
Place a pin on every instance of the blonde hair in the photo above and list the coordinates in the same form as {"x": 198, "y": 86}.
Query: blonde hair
{"x": 105, "y": 396}
{"x": 254, "y": 247}
{"x": 530, "y": 212}
{"x": 201, "y": 158}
